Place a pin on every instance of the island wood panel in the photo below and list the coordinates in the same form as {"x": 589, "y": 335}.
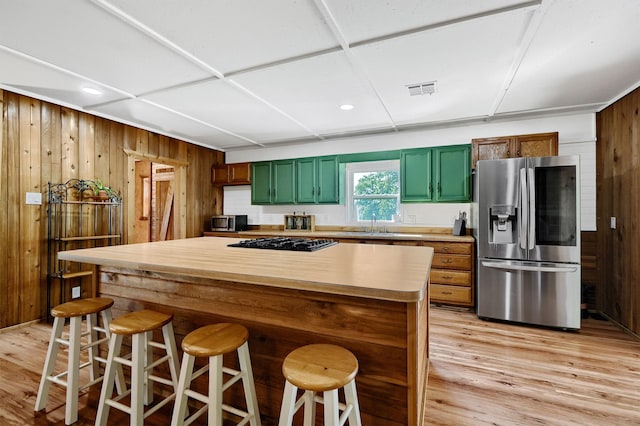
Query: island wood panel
{"x": 389, "y": 338}
{"x": 42, "y": 142}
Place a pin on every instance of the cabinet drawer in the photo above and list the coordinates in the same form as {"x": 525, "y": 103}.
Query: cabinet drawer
{"x": 444, "y": 276}
{"x": 450, "y": 248}
{"x": 451, "y": 261}
{"x": 450, "y": 293}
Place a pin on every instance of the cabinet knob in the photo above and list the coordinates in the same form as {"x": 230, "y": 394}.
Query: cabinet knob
{"x": 439, "y": 188}
{"x": 313, "y": 190}
{"x": 318, "y": 191}
{"x": 430, "y": 188}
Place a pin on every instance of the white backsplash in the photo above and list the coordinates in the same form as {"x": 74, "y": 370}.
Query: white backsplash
{"x": 237, "y": 200}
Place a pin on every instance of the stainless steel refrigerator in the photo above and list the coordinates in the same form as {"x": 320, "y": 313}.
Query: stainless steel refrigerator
{"x": 528, "y": 239}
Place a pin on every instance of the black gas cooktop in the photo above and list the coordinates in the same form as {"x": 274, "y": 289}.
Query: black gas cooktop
{"x": 285, "y": 243}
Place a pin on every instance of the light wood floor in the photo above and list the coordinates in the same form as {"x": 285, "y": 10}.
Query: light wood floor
{"x": 482, "y": 373}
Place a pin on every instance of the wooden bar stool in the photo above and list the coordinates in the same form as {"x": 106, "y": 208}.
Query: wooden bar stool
{"x": 75, "y": 311}
{"x": 140, "y": 325}
{"x": 213, "y": 341}
{"x": 320, "y": 368}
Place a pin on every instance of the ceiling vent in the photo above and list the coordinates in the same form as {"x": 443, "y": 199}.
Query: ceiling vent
{"x": 422, "y": 88}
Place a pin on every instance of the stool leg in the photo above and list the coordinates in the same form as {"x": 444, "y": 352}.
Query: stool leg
{"x": 215, "y": 390}
{"x": 120, "y": 383}
{"x": 309, "y": 398}
{"x": 49, "y": 363}
{"x": 92, "y": 323}
{"x": 109, "y": 377}
{"x": 248, "y": 384}
{"x": 184, "y": 383}
{"x": 351, "y": 397}
{"x": 139, "y": 380}
{"x": 331, "y": 408}
{"x": 172, "y": 351}
{"x": 287, "y": 410}
{"x": 73, "y": 370}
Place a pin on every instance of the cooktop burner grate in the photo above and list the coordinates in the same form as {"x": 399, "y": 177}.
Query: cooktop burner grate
{"x": 285, "y": 243}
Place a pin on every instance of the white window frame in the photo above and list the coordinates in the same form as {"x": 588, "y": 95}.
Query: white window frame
{"x": 368, "y": 166}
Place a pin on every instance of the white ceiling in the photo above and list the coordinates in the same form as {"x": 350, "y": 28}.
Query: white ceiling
{"x": 232, "y": 74}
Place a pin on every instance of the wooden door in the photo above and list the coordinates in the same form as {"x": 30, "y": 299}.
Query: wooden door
{"x": 162, "y": 192}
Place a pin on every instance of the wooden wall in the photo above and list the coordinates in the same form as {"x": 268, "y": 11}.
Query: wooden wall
{"x": 617, "y": 185}
{"x": 41, "y": 142}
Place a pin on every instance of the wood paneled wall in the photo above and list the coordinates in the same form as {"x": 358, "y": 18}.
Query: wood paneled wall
{"x": 617, "y": 184}
{"x": 41, "y": 142}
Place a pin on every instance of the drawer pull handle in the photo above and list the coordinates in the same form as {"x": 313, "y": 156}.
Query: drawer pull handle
{"x": 445, "y": 248}
{"x": 447, "y": 261}
{"x": 447, "y": 277}
{"x": 447, "y": 292}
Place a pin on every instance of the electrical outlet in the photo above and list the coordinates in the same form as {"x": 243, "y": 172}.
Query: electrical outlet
{"x": 75, "y": 292}
{"x": 613, "y": 223}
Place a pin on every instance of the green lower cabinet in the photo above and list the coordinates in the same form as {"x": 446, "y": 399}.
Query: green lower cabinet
{"x": 452, "y": 167}
{"x": 439, "y": 174}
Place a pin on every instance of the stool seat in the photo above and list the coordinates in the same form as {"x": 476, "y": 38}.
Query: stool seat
{"x": 215, "y": 339}
{"x": 81, "y": 307}
{"x": 320, "y": 367}
{"x": 139, "y": 322}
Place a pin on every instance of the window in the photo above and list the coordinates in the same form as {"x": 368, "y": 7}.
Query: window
{"x": 373, "y": 190}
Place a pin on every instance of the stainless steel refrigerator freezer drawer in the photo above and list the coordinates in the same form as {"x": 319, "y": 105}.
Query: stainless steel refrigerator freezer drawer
{"x": 529, "y": 292}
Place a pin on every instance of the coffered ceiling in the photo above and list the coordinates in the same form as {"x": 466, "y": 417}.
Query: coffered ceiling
{"x": 232, "y": 74}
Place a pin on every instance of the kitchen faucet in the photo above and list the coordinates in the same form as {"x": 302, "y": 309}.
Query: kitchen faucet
{"x": 373, "y": 222}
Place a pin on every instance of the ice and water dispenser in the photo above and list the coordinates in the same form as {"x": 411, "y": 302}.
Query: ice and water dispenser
{"x": 504, "y": 225}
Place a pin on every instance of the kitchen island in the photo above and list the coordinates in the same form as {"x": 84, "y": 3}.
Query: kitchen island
{"x": 371, "y": 299}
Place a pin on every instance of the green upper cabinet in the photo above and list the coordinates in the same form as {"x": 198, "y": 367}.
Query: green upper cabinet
{"x": 415, "y": 175}
{"x": 261, "y": 183}
{"x": 317, "y": 180}
{"x": 440, "y": 174}
{"x": 306, "y": 180}
{"x": 327, "y": 183}
{"x": 273, "y": 182}
{"x": 283, "y": 182}
{"x": 452, "y": 167}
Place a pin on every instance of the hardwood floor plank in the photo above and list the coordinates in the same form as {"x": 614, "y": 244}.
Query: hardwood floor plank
{"x": 482, "y": 373}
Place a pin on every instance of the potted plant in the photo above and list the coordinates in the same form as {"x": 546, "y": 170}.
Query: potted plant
{"x": 101, "y": 191}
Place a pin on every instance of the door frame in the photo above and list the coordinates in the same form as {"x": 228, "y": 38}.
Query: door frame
{"x": 180, "y": 191}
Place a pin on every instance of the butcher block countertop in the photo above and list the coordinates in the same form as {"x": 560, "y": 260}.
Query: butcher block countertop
{"x": 395, "y": 273}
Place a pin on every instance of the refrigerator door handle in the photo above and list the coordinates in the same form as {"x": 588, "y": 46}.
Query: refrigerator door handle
{"x": 524, "y": 209}
{"x": 500, "y": 265}
{"x": 532, "y": 206}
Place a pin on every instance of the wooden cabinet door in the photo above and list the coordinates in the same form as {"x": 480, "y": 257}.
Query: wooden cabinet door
{"x": 415, "y": 175}
{"x": 239, "y": 173}
{"x": 537, "y": 145}
{"x": 491, "y": 149}
{"x": 306, "y": 186}
{"x": 283, "y": 182}
{"x": 261, "y": 183}
{"x": 452, "y": 173}
{"x": 327, "y": 183}
{"x": 220, "y": 174}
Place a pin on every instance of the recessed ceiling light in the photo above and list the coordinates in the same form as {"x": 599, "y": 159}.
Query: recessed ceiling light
{"x": 346, "y": 107}
{"x": 91, "y": 91}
